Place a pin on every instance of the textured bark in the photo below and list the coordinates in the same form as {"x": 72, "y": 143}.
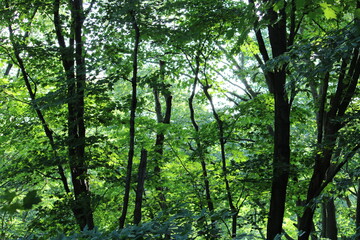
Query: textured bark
{"x": 132, "y": 121}
{"x": 140, "y": 187}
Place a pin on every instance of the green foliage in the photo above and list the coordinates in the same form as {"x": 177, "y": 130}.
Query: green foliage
{"x": 208, "y": 42}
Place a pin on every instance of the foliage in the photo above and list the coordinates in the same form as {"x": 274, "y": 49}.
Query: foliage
{"x": 204, "y": 62}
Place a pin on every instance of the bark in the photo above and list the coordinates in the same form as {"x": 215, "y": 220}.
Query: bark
{"x": 74, "y": 65}
{"x": 276, "y": 80}
{"x": 357, "y": 222}
{"x": 329, "y": 224}
{"x": 281, "y": 162}
{"x": 132, "y": 121}
{"x": 140, "y": 187}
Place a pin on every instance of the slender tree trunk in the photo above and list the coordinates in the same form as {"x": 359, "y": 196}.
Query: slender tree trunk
{"x": 132, "y": 120}
{"x": 8, "y": 69}
{"x": 160, "y": 88}
{"x": 357, "y": 222}
{"x": 199, "y": 147}
{"x": 39, "y": 113}
{"x": 234, "y": 211}
{"x": 140, "y": 187}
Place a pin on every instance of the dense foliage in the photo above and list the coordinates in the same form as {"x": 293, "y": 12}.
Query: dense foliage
{"x": 199, "y": 119}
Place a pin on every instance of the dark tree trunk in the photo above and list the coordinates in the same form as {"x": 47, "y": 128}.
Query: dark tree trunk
{"x": 280, "y": 166}
{"x": 329, "y": 224}
{"x": 221, "y": 135}
{"x": 140, "y": 187}
{"x": 76, "y": 126}
{"x": 132, "y": 120}
{"x": 276, "y": 81}
{"x": 74, "y": 65}
{"x": 357, "y": 225}
{"x": 281, "y": 162}
{"x": 199, "y": 147}
{"x": 323, "y": 174}
{"x": 8, "y": 69}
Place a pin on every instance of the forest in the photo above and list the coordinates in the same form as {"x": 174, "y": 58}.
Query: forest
{"x": 180, "y": 119}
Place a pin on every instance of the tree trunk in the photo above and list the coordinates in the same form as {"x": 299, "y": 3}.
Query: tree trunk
{"x": 76, "y": 126}
{"x": 357, "y": 222}
{"x": 281, "y": 162}
{"x": 39, "y": 113}
{"x": 199, "y": 146}
{"x": 74, "y": 66}
{"x": 276, "y": 81}
{"x": 132, "y": 120}
{"x": 161, "y": 88}
{"x": 140, "y": 187}
{"x": 220, "y": 124}
{"x": 329, "y": 224}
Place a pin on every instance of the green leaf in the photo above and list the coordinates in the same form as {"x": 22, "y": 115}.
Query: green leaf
{"x": 30, "y": 199}
{"x": 328, "y": 11}
{"x": 278, "y": 5}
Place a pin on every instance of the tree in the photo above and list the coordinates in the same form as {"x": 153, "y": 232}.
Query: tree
{"x": 73, "y": 61}
{"x": 201, "y": 97}
{"x": 276, "y": 80}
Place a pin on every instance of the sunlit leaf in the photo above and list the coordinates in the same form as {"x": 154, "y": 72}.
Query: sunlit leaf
{"x": 329, "y": 12}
